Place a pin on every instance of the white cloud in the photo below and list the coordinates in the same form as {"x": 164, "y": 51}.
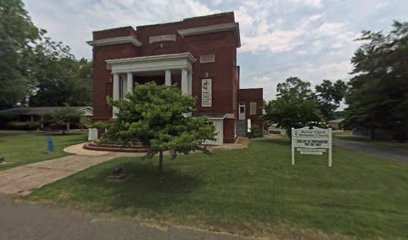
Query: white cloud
{"x": 313, "y": 73}
{"x": 73, "y": 21}
{"x": 273, "y": 42}
{"x": 310, "y": 3}
{"x": 312, "y": 39}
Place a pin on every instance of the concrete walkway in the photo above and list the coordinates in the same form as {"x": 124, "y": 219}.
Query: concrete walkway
{"x": 24, "y": 221}
{"x": 22, "y": 180}
{"x": 393, "y": 154}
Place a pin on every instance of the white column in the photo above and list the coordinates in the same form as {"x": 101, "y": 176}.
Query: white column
{"x": 115, "y": 93}
{"x": 190, "y": 83}
{"x": 167, "y": 78}
{"x": 129, "y": 82}
{"x": 184, "y": 81}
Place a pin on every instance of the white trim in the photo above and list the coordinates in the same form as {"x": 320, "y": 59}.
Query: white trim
{"x": 114, "y": 41}
{"x": 151, "y": 63}
{"x": 241, "y": 116}
{"x": 208, "y": 29}
{"x": 207, "y": 58}
{"x": 167, "y": 78}
{"x": 219, "y": 130}
{"x": 115, "y": 93}
{"x": 129, "y": 83}
{"x": 152, "y": 58}
{"x": 162, "y": 38}
{"x": 184, "y": 82}
{"x": 216, "y": 118}
{"x": 229, "y": 116}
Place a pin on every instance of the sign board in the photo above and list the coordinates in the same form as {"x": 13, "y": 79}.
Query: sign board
{"x": 312, "y": 141}
{"x": 206, "y": 92}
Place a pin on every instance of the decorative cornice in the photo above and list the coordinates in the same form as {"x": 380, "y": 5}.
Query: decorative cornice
{"x": 212, "y": 29}
{"x": 114, "y": 41}
{"x": 153, "y": 58}
{"x": 151, "y": 63}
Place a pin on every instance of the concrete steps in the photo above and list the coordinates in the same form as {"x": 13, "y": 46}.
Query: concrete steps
{"x": 241, "y": 128}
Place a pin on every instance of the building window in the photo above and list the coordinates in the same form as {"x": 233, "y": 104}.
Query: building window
{"x": 241, "y": 108}
{"x": 208, "y": 58}
{"x": 252, "y": 108}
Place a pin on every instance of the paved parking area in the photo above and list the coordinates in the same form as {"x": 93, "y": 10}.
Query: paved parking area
{"x": 393, "y": 154}
{"x": 25, "y": 221}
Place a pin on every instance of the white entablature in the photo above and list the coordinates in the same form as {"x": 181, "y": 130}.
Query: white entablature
{"x": 151, "y": 63}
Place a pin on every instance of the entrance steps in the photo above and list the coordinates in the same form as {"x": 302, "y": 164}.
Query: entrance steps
{"x": 241, "y": 128}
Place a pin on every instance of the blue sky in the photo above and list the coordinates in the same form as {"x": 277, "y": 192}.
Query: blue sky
{"x": 311, "y": 39}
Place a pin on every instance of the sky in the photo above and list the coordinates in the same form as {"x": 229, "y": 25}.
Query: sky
{"x": 310, "y": 39}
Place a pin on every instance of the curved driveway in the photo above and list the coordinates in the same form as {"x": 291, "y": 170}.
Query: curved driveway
{"x": 393, "y": 154}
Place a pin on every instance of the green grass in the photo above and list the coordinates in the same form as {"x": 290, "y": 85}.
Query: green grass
{"x": 252, "y": 191}
{"x": 30, "y": 148}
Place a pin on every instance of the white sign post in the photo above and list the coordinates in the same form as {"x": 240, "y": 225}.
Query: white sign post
{"x": 312, "y": 141}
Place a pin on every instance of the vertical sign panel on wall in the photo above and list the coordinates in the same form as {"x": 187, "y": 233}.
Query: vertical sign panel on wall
{"x": 206, "y": 92}
{"x": 312, "y": 141}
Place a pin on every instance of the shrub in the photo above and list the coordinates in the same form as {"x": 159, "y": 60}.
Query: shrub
{"x": 15, "y": 125}
{"x": 255, "y": 132}
{"x": 100, "y": 125}
{"x": 1, "y": 159}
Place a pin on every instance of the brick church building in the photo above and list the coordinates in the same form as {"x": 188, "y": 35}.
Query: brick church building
{"x": 199, "y": 55}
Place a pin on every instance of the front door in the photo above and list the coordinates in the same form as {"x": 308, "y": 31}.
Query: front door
{"x": 241, "y": 113}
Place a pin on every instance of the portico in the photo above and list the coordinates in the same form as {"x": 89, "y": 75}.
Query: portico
{"x": 127, "y": 71}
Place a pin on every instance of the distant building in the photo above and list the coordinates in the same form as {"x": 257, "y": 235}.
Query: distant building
{"x": 199, "y": 55}
{"x": 35, "y": 114}
{"x": 335, "y": 124}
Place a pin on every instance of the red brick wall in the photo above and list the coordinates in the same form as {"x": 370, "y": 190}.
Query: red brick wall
{"x": 114, "y": 32}
{"x": 229, "y": 130}
{"x": 223, "y": 72}
{"x": 102, "y": 78}
{"x": 252, "y": 95}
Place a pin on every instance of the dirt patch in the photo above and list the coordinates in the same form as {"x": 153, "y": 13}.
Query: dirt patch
{"x": 6, "y": 163}
{"x": 240, "y": 143}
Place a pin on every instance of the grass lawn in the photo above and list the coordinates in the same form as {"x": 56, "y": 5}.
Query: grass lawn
{"x": 253, "y": 191}
{"x": 32, "y": 147}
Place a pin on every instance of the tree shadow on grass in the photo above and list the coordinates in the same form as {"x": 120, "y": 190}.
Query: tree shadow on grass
{"x": 144, "y": 190}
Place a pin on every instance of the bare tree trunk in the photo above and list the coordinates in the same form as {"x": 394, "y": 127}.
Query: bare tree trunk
{"x": 161, "y": 163}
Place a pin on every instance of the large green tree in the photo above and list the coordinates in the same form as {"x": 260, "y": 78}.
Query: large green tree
{"x": 295, "y": 106}
{"x": 17, "y": 36}
{"x": 378, "y": 95}
{"x": 156, "y": 116}
{"x": 34, "y": 69}
{"x": 62, "y": 118}
{"x": 61, "y": 79}
{"x": 329, "y": 95}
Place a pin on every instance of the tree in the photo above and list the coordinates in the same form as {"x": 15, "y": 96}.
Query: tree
{"x": 17, "y": 35}
{"x": 378, "y": 94}
{"x": 34, "y": 69}
{"x": 295, "y": 106}
{"x": 155, "y": 116}
{"x": 62, "y": 118}
{"x": 61, "y": 79}
{"x": 329, "y": 95}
